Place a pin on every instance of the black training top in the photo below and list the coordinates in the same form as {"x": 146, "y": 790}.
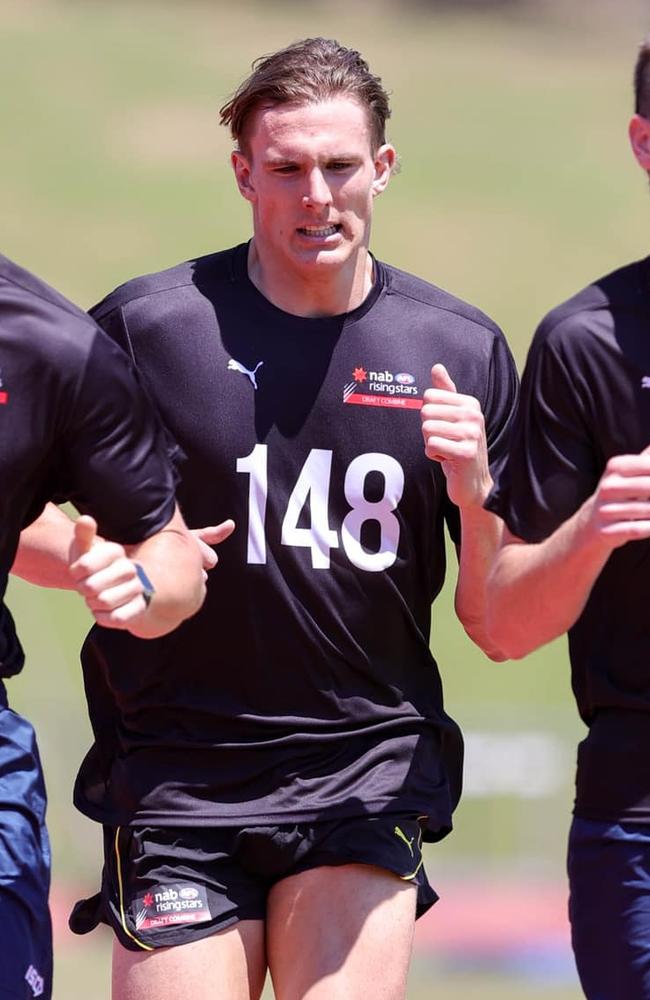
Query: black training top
{"x": 304, "y": 688}
{"x": 585, "y": 398}
{"x": 74, "y": 425}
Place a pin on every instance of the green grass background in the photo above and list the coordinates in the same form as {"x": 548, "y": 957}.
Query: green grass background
{"x": 517, "y": 187}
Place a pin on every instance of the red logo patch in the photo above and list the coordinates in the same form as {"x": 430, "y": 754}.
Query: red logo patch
{"x": 384, "y": 388}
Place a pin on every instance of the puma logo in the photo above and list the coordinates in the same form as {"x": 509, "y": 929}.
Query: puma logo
{"x": 236, "y": 366}
{"x": 402, "y": 836}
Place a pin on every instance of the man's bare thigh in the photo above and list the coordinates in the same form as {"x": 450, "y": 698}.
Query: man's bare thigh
{"x": 340, "y": 933}
{"x": 229, "y": 965}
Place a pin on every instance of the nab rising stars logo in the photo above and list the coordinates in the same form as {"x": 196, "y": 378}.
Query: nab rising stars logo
{"x": 382, "y": 388}
{"x": 166, "y": 905}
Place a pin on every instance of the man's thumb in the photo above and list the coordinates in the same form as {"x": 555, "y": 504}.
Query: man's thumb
{"x": 440, "y": 379}
{"x": 214, "y": 534}
{"x": 85, "y": 533}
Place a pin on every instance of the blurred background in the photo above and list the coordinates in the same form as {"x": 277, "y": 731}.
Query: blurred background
{"x": 517, "y": 188}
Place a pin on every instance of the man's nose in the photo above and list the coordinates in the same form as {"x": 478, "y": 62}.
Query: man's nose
{"x": 317, "y": 191}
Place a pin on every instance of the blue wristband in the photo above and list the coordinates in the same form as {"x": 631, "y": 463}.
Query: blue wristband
{"x": 148, "y": 589}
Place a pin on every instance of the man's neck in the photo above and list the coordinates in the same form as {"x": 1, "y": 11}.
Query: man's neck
{"x": 328, "y": 293}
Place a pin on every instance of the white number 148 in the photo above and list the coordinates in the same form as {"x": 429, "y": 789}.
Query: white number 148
{"x": 313, "y": 485}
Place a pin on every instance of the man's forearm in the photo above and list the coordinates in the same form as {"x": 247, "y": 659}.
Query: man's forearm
{"x": 480, "y": 538}
{"x": 537, "y": 591}
{"x": 172, "y": 561}
{"x": 42, "y": 556}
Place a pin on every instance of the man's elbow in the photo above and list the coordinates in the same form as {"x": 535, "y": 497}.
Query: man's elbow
{"x": 494, "y": 653}
{"x": 508, "y": 638}
{"x": 497, "y": 638}
{"x": 506, "y": 632}
{"x": 485, "y": 640}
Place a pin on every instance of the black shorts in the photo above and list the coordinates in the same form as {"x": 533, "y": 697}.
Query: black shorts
{"x": 167, "y": 886}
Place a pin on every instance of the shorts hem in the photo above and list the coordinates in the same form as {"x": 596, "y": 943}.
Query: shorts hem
{"x": 143, "y": 942}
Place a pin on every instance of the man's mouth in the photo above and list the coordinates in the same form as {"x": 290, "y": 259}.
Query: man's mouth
{"x": 319, "y": 232}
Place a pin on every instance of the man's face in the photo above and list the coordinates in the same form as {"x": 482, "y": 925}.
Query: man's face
{"x": 311, "y": 175}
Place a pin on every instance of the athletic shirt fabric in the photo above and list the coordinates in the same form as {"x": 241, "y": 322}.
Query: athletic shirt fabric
{"x": 304, "y": 689}
{"x": 74, "y": 425}
{"x": 586, "y": 398}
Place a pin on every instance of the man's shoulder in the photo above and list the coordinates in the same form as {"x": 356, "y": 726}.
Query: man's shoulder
{"x": 42, "y": 322}
{"x": 432, "y": 298}
{"x": 597, "y": 305}
{"x": 153, "y": 292}
{"x": 35, "y": 294}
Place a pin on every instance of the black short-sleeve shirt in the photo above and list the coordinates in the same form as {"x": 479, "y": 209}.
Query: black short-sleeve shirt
{"x": 586, "y": 398}
{"x": 305, "y": 687}
{"x": 74, "y": 425}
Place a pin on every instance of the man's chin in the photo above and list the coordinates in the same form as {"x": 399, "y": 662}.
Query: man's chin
{"x": 325, "y": 258}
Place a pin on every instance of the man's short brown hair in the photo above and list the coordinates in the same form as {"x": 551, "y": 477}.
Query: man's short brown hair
{"x": 642, "y": 81}
{"x": 309, "y": 71}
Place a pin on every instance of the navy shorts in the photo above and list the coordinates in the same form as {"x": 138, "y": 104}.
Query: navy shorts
{"x": 167, "y": 886}
{"x": 609, "y": 908}
{"x": 25, "y": 926}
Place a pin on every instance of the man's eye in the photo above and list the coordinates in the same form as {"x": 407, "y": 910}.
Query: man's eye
{"x": 340, "y": 165}
{"x": 287, "y": 168}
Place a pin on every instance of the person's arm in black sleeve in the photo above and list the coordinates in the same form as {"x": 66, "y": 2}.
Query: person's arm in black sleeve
{"x": 114, "y": 466}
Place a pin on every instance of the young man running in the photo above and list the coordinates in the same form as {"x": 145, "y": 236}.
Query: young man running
{"x": 575, "y": 497}
{"x": 75, "y": 425}
{"x": 266, "y": 775}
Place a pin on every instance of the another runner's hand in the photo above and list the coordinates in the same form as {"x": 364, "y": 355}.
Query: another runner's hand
{"x": 104, "y": 576}
{"x": 453, "y": 429}
{"x": 620, "y": 507}
{"x": 212, "y": 535}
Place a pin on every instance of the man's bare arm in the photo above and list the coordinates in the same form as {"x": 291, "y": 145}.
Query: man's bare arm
{"x": 538, "y": 591}
{"x": 114, "y": 591}
{"x": 454, "y": 435}
{"x": 481, "y": 535}
{"x": 58, "y": 552}
{"x": 42, "y": 556}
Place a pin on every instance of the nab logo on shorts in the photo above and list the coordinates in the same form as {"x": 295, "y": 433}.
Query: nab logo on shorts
{"x": 165, "y": 905}
{"x": 382, "y": 388}
{"x": 35, "y": 981}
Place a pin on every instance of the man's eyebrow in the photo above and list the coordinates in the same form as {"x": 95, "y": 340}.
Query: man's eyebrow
{"x": 279, "y": 158}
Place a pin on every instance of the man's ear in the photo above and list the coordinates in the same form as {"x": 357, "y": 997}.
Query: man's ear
{"x": 385, "y": 159}
{"x": 243, "y": 175}
{"x": 639, "y": 132}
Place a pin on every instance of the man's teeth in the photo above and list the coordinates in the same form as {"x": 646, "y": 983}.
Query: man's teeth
{"x": 319, "y": 230}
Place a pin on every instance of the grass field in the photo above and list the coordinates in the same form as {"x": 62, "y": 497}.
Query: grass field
{"x": 516, "y": 188}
